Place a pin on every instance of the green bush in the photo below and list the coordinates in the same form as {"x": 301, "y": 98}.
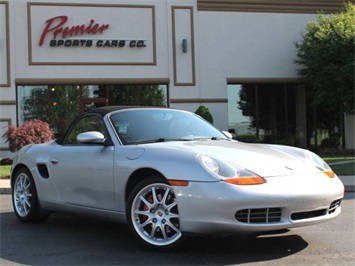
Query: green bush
{"x": 204, "y": 113}
{"x": 332, "y": 142}
{"x": 247, "y": 138}
{"x": 336, "y": 151}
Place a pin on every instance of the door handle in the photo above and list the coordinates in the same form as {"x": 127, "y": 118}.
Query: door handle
{"x": 54, "y": 161}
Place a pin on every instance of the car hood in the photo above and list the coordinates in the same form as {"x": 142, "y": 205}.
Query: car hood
{"x": 262, "y": 159}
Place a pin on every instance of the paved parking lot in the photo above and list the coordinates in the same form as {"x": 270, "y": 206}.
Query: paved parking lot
{"x": 77, "y": 240}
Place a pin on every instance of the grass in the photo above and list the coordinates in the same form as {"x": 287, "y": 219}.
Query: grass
{"x": 344, "y": 169}
{"x": 337, "y": 158}
{"x": 341, "y": 165}
{"x": 5, "y": 170}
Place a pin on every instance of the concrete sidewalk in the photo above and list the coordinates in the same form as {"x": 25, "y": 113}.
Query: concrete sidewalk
{"x": 348, "y": 181}
{"x": 5, "y": 186}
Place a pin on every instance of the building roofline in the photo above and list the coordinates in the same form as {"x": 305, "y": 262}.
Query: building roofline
{"x": 272, "y": 6}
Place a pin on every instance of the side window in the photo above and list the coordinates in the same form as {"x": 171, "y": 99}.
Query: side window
{"x": 87, "y": 123}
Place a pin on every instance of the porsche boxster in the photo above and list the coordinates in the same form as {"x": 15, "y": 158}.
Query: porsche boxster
{"x": 168, "y": 173}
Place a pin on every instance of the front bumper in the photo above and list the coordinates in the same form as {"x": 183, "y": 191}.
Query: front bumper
{"x": 281, "y": 203}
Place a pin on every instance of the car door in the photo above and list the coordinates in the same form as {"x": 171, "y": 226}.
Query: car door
{"x": 83, "y": 173}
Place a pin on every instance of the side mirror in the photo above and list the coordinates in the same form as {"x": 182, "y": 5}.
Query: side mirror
{"x": 227, "y": 134}
{"x": 91, "y": 137}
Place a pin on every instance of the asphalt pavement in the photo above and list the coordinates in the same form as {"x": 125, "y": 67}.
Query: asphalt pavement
{"x": 72, "y": 239}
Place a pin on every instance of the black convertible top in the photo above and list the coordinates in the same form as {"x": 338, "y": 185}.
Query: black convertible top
{"x": 108, "y": 109}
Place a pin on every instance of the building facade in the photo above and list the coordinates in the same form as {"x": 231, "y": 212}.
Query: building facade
{"x": 60, "y": 58}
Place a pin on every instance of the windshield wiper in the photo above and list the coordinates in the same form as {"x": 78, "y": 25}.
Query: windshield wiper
{"x": 216, "y": 138}
{"x": 209, "y": 138}
{"x": 157, "y": 140}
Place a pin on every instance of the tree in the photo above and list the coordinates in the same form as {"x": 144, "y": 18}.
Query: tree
{"x": 146, "y": 95}
{"x": 271, "y": 108}
{"x": 204, "y": 112}
{"x": 326, "y": 56}
{"x": 57, "y": 105}
{"x": 35, "y": 104}
{"x": 64, "y": 105}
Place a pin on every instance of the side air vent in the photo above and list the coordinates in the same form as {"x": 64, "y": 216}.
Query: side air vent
{"x": 43, "y": 170}
{"x": 259, "y": 216}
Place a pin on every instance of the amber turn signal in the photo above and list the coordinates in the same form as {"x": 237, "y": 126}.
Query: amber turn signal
{"x": 179, "y": 183}
{"x": 248, "y": 180}
{"x": 329, "y": 173}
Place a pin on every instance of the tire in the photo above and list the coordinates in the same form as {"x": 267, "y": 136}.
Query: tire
{"x": 153, "y": 216}
{"x": 25, "y": 200}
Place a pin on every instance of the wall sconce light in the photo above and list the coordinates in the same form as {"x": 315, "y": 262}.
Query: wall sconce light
{"x": 184, "y": 45}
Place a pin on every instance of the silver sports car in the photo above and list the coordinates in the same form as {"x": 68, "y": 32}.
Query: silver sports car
{"x": 168, "y": 173}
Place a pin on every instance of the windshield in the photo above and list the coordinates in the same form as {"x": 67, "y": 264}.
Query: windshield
{"x": 157, "y": 125}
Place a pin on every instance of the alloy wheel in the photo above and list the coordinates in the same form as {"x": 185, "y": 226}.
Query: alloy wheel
{"x": 155, "y": 216}
{"x": 22, "y": 195}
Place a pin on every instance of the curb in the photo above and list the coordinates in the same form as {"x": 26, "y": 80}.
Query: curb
{"x": 349, "y": 182}
{"x": 5, "y": 191}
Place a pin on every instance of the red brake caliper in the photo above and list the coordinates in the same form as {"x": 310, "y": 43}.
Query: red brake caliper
{"x": 146, "y": 208}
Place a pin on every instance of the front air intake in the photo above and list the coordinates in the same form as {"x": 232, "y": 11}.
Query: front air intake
{"x": 306, "y": 215}
{"x": 259, "y": 216}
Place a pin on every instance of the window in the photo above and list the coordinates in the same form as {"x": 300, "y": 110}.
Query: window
{"x": 266, "y": 113}
{"x": 281, "y": 114}
{"x": 134, "y": 126}
{"x": 60, "y": 104}
{"x": 87, "y": 123}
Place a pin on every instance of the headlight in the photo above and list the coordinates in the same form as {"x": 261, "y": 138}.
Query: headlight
{"x": 308, "y": 157}
{"x": 320, "y": 164}
{"x": 228, "y": 172}
{"x": 210, "y": 164}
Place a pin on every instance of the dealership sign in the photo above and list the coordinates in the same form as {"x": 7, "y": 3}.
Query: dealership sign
{"x": 76, "y": 34}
